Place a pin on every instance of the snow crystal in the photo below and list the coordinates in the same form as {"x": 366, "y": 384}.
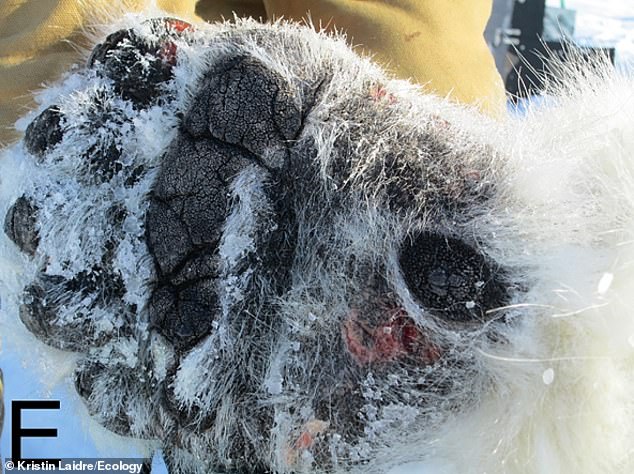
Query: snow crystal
{"x": 548, "y": 376}
{"x": 605, "y": 283}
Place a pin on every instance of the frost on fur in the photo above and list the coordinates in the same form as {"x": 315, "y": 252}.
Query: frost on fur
{"x": 269, "y": 256}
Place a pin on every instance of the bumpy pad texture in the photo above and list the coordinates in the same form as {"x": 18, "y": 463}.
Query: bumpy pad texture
{"x": 265, "y": 253}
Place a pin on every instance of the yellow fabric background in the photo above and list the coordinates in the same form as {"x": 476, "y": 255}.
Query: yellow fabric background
{"x": 438, "y": 43}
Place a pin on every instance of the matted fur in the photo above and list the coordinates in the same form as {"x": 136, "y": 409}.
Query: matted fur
{"x": 540, "y": 383}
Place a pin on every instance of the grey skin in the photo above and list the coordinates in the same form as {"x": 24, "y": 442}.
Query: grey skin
{"x": 246, "y": 118}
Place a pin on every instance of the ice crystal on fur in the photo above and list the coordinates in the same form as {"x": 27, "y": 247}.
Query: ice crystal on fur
{"x": 271, "y": 257}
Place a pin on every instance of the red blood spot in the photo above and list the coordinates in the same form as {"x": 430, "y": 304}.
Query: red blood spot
{"x": 387, "y": 343}
{"x": 309, "y": 432}
{"x": 440, "y": 122}
{"x": 378, "y": 93}
{"x": 168, "y": 53}
{"x": 178, "y": 25}
{"x": 409, "y": 337}
{"x": 169, "y": 48}
{"x": 430, "y": 354}
{"x": 304, "y": 441}
{"x": 353, "y": 338}
{"x": 397, "y": 337}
